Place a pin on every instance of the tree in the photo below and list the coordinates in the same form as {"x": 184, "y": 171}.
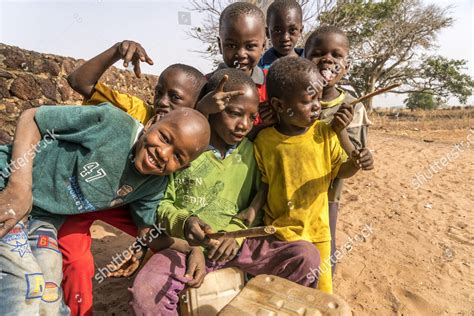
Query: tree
{"x": 391, "y": 41}
{"x": 420, "y": 100}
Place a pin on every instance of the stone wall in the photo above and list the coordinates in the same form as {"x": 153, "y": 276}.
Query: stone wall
{"x": 30, "y": 79}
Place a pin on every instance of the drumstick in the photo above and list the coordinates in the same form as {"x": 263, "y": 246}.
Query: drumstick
{"x": 376, "y": 92}
{"x": 245, "y": 233}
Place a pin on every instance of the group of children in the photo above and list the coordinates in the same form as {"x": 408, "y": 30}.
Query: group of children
{"x": 257, "y": 142}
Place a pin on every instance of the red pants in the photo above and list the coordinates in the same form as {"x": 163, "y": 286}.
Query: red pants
{"x": 75, "y": 241}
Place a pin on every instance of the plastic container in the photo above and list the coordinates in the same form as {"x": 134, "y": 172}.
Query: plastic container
{"x": 218, "y": 289}
{"x": 268, "y": 295}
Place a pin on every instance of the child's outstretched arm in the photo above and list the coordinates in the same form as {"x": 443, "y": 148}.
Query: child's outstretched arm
{"x": 84, "y": 78}
{"x": 17, "y": 198}
{"x": 254, "y": 210}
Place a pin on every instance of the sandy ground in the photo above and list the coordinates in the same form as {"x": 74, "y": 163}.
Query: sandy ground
{"x": 417, "y": 259}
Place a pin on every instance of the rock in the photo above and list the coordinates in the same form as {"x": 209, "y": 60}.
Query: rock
{"x": 5, "y": 74}
{"x": 10, "y": 108}
{"x": 14, "y": 58}
{"x": 4, "y": 93}
{"x": 25, "y": 87}
{"x": 5, "y": 138}
{"x": 49, "y": 67}
{"x": 48, "y": 88}
{"x": 68, "y": 66}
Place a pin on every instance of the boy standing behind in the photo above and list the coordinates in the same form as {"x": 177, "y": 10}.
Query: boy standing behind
{"x": 284, "y": 29}
{"x": 300, "y": 156}
{"x": 241, "y": 42}
{"x": 328, "y": 48}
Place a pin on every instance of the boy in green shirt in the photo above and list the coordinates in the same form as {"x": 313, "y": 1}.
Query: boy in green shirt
{"x": 210, "y": 196}
{"x": 86, "y": 164}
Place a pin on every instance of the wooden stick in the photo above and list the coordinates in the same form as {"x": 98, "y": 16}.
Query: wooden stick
{"x": 245, "y": 233}
{"x": 376, "y": 92}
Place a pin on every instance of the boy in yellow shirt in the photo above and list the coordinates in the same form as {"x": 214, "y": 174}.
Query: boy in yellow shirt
{"x": 300, "y": 156}
{"x": 178, "y": 85}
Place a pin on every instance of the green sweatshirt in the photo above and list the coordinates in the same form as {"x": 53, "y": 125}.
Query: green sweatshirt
{"x": 84, "y": 164}
{"x": 212, "y": 189}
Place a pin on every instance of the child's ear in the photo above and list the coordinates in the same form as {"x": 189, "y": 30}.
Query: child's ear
{"x": 267, "y": 32}
{"x": 302, "y": 30}
{"x": 219, "y": 44}
{"x": 276, "y": 104}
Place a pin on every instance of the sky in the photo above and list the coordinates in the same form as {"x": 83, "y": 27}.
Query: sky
{"x": 83, "y": 29}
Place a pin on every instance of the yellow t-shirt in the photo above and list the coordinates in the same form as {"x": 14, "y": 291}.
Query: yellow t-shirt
{"x": 135, "y": 107}
{"x": 299, "y": 170}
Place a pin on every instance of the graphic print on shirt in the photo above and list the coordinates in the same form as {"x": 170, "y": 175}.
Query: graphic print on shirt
{"x": 92, "y": 172}
{"x": 82, "y": 204}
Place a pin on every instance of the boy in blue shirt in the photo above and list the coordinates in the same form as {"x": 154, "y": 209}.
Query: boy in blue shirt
{"x": 284, "y": 29}
{"x": 95, "y": 158}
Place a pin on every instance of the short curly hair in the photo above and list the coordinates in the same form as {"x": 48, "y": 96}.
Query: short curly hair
{"x": 288, "y": 74}
{"x": 238, "y": 9}
{"x": 322, "y": 31}
{"x": 283, "y": 6}
{"x": 236, "y": 80}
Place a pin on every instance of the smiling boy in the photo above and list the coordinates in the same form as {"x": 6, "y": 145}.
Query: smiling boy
{"x": 328, "y": 48}
{"x": 178, "y": 87}
{"x": 90, "y": 166}
{"x": 241, "y": 42}
{"x": 284, "y": 29}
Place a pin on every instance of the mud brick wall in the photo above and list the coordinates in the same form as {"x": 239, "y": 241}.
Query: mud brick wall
{"x": 30, "y": 79}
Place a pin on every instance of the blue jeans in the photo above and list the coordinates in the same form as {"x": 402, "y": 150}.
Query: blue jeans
{"x": 31, "y": 271}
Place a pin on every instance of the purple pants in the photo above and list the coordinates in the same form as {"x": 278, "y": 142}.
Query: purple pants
{"x": 157, "y": 286}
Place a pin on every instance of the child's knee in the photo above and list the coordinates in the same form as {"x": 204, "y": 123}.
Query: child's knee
{"x": 307, "y": 254}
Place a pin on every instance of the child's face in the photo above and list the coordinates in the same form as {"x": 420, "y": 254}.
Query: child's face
{"x": 241, "y": 42}
{"x": 329, "y": 52}
{"x": 169, "y": 144}
{"x": 284, "y": 31}
{"x": 236, "y": 121}
{"x": 301, "y": 108}
{"x": 174, "y": 89}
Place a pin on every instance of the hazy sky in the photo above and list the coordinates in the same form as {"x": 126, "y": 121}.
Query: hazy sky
{"x": 82, "y": 29}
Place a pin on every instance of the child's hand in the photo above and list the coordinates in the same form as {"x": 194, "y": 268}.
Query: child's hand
{"x": 196, "y": 267}
{"x": 134, "y": 52}
{"x": 342, "y": 118}
{"x": 363, "y": 159}
{"x": 13, "y": 208}
{"x": 247, "y": 216}
{"x": 217, "y": 100}
{"x": 130, "y": 266}
{"x": 225, "y": 251}
{"x": 195, "y": 231}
